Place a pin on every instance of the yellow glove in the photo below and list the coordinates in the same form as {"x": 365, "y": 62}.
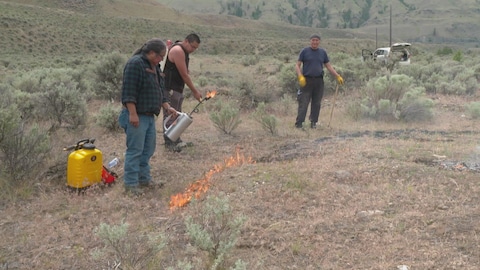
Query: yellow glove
{"x": 339, "y": 79}
{"x": 302, "y": 81}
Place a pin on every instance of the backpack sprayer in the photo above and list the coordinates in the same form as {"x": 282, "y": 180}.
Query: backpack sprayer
{"x": 183, "y": 121}
{"x": 85, "y": 165}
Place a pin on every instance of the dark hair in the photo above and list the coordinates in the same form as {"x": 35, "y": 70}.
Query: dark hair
{"x": 193, "y": 38}
{"x": 154, "y": 44}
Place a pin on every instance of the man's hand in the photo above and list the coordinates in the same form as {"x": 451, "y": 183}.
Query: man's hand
{"x": 197, "y": 95}
{"x": 339, "y": 79}
{"x": 301, "y": 80}
{"x": 134, "y": 120}
{"x": 172, "y": 111}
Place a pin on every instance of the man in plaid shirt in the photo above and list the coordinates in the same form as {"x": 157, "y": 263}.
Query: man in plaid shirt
{"x": 142, "y": 97}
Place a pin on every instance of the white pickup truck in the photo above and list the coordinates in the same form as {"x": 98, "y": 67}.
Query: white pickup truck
{"x": 398, "y": 52}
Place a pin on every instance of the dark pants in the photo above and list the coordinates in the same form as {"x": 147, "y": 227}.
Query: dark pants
{"x": 176, "y": 101}
{"x": 312, "y": 92}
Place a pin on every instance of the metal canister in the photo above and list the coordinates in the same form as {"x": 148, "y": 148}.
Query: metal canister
{"x": 176, "y": 129}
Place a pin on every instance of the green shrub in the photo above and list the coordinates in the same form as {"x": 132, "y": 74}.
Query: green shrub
{"x": 451, "y": 88}
{"x": 414, "y": 106}
{"x": 267, "y": 121}
{"x": 473, "y": 110}
{"x": 244, "y": 92}
{"x": 458, "y": 56}
{"x": 385, "y": 109}
{"x": 450, "y": 70}
{"x": 444, "y": 77}
{"x": 354, "y": 109}
{"x": 27, "y": 84}
{"x": 432, "y": 83}
{"x": 23, "y": 148}
{"x": 445, "y": 51}
{"x": 468, "y": 80}
{"x": 286, "y": 105}
{"x": 249, "y": 60}
{"x": 393, "y": 97}
{"x": 62, "y": 104}
{"x": 107, "y": 117}
{"x": 37, "y": 80}
{"x": 414, "y": 71}
{"x": 388, "y": 87}
{"x": 27, "y": 104}
{"x": 9, "y": 121}
{"x": 135, "y": 250}
{"x": 85, "y": 84}
{"x": 288, "y": 79}
{"x": 226, "y": 118}
{"x": 250, "y": 92}
{"x": 52, "y": 95}
{"x": 215, "y": 229}
{"x": 108, "y": 73}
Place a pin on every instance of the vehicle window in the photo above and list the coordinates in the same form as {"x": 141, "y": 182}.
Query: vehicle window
{"x": 380, "y": 52}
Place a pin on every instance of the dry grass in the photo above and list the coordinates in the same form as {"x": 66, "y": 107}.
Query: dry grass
{"x": 357, "y": 195}
{"x": 339, "y": 198}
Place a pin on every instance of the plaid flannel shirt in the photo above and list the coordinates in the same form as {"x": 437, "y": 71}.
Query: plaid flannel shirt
{"x": 143, "y": 85}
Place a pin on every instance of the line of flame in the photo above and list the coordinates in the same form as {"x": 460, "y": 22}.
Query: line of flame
{"x": 197, "y": 188}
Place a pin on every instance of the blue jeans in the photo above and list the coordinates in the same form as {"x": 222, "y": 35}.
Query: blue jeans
{"x": 141, "y": 143}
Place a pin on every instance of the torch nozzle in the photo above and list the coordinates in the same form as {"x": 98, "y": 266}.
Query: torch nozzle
{"x": 209, "y": 95}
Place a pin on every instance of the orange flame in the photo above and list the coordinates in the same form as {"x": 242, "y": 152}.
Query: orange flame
{"x": 211, "y": 94}
{"x": 197, "y": 188}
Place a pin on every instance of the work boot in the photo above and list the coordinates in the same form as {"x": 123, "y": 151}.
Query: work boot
{"x": 184, "y": 144}
{"x": 151, "y": 185}
{"x": 171, "y": 145}
{"x": 133, "y": 191}
{"x": 313, "y": 125}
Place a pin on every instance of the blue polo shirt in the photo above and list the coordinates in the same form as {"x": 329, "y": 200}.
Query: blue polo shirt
{"x": 313, "y": 61}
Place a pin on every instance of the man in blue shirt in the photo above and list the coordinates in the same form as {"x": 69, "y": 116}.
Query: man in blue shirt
{"x": 142, "y": 98}
{"x": 310, "y": 73}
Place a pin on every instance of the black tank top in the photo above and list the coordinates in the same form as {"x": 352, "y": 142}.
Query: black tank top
{"x": 173, "y": 79}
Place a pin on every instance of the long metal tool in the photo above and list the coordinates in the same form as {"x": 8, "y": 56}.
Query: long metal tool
{"x": 182, "y": 121}
{"x": 209, "y": 95}
{"x": 333, "y": 105}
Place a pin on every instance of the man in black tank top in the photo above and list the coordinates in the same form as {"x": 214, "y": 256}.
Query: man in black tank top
{"x": 177, "y": 76}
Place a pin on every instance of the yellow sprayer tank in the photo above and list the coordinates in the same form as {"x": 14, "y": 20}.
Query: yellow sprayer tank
{"x": 84, "y": 167}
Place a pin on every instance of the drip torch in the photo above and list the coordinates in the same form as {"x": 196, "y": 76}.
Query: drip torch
{"x": 183, "y": 120}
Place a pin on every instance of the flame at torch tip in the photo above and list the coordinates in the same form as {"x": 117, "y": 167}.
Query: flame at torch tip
{"x": 211, "y": 94}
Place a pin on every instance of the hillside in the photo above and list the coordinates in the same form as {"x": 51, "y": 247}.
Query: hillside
{"x": 420, "y": 21}
{"x": 32, "y": 26}
{"x": 69, "y": 28}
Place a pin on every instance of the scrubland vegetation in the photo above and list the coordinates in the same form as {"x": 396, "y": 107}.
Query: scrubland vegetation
{"x": 261, "y": 216}
{"x": 43, "y": 100}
